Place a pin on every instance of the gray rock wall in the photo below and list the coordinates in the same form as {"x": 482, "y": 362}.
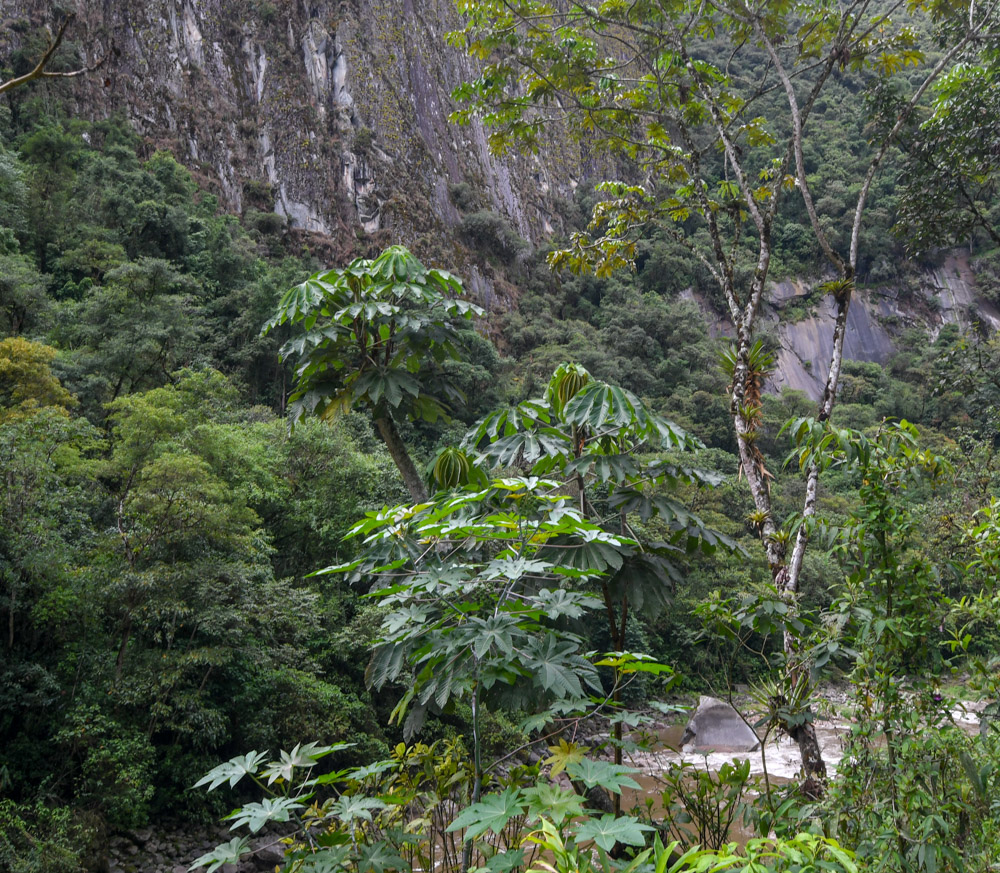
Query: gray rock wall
{"x": 334, "y": 112}
{"x": 947, "y": 295}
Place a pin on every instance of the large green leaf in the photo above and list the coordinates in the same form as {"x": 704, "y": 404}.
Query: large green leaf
{"x": 301, "y": 757}
{"x": 256, "y": 815}
{"x": 551, "y": 801}
{"x": 332, "y": 859}
{"x": 232, "y": 771}
{"x": 379, "y": 857}
{"x": 227, "y": 853}
{"x": 491, "y": 813}
{"x": 612, "y": 777}
{"x": 608, "y": 830}
{"x": 556, "y": 666}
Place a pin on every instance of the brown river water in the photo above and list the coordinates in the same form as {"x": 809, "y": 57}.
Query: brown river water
{"x": 779, "y": 757}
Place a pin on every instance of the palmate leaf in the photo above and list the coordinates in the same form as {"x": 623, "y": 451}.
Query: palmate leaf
{"x": 386, "y": 664}
{"x": 533, "y": 447}
{"x": 226, "y": 853}
{"x": 563, "y": 755}
{"x": 561, "y": 603}
{"x": 673, "y": 474}
{"x": 514, "y": 568}
{"x": 299, "y": 302}
{"x": 594, "y": 557}
{"x": 256, "y": 815}
{"x": 379, "y": 857}
{"x": 491, "y": 813}
{"x": 648, "y": 578}
{"x": 555, "y": 666}
{"x": 349, "y": 807}
{"x": 332, "y": 859}
{"x": 300, "y": 757}
{"x": 232, "y": 771}
{"x": 497, "y": 631}
{"x": 555, "y": 803}
{"x": 612, "y": 777}
{"x": 504, "y": 862}
{"x": 608, "y": 830}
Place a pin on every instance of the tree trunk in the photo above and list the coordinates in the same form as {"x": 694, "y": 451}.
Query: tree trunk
{"x": 812, "y": 761}
{"x": 401, "y": 457}
{"x": 126, "y": 634}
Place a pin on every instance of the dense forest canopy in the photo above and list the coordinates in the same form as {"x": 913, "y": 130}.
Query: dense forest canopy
{"x": 538, "y": 528}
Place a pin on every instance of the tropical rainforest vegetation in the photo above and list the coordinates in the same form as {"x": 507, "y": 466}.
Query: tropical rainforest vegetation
{"x": 535, "y": 530}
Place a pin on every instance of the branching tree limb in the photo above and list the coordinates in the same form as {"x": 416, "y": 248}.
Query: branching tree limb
{"x": 41, "y": 70}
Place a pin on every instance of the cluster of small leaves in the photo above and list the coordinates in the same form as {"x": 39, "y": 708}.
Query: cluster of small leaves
{"x": 802, "y": 852}
{"x": 893, "y": 451}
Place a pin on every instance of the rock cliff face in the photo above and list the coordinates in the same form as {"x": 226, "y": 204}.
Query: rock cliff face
{"x": 947, "y": 295}
{"x": 332, "y": 113}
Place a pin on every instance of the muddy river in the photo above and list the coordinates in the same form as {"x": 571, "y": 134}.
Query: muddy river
{"x": 778, "y": 757}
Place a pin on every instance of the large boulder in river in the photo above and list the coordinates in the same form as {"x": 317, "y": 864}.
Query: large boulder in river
{"x": 716, "y": 725}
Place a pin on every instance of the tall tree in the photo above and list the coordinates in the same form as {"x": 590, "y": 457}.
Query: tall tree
{"x": 376, "y": 332}
{"x": 953, "y": 161}
{"x": 686, "y": 90}
{"x": 591, "y": 437}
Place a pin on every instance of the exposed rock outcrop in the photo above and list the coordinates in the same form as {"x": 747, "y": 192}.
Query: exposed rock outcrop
{"x": 333, "y": 113}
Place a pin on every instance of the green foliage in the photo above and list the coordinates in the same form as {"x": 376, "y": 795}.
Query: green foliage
{"x": 492, "y": 234}
{"x": 405, "y": 813}
{"x": 39, "y": 839}
{"x": 374, "y": 332}
{"x": 480, "y": 614}
{"x": 700, "y": 807}
{"x": 115, "y": 765}
{"x": 950, "y": 170}
{"x": 597, "y": 436}
{"x": 154, "y": 614}
{"x": 27, "y": 379}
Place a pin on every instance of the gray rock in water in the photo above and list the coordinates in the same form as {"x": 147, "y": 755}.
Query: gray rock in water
{"x": 716, "y": 725}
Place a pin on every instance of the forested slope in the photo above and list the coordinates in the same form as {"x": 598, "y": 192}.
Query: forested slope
{"x": 159, "y": 521}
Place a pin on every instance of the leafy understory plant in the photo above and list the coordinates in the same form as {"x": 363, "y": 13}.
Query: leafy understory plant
{"x": 403, "y": 814}
{"x": 412, "y": 812}
{"x": 803, "y": 852}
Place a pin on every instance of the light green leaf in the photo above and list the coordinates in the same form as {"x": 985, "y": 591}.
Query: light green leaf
{"x": 608, "y": 830}
{"x": 232, "y": 771}
{"x": 612, "y": 777}
{"x": 226, "y": 853}
{"x": 492, "y": 813}
{"x": 256, "y": 815}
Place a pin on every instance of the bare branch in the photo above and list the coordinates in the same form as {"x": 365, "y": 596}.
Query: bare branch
{"x": 40, "y": 71}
